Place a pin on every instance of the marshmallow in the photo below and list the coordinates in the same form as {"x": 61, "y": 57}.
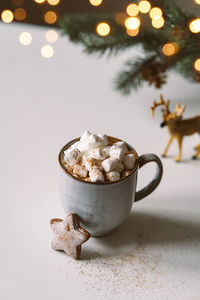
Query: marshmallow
{"x": 72, "y": 156}
{"x": 75, "y": 145}
{"x": 83, "y": 146}
{"x": 119, "y": 167}
{"x": 90, "y": 163}
{"x": 85, "y": 136}
{"x": 116, "y": 152}
{"x": 129, "y": 161}
{"x": 107, "y": 150}
{"x": 68, "y": 168}
{"x": 113, "y": 176}
{"x": 122, "y": 145}
{"x": 111, "y": 164}
{"x": 104, "y": 139}
{"x": 93, "y": 141}
{"x": 97, "y": 153}
{"x": 80, "y": 171}
{"x": 96, "y": 175}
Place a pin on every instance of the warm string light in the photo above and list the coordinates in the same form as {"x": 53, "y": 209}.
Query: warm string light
{"x": 132, "y": 10}
{"x": 132, "y": 32}
{"x": 51, "y": 36}
{"x": 50, "y": 17}
{"x": 20, "y": 14}
{"x": 170, "y": 49}
{"x": 195, "y": 26}
{"x": 132, "y": 23}
{"x": 25, "y": 38}
{"x": 39, "y": 1}
{"x": 53, "y": 2}
{"x": 144, "y": 6}
{"x": 95, "y": 2}
{"x": 197, "y": 65}
{"x": 158, "y": 22}
{"x": 47, "y": 51}
{"x": 155, "y": 13}
{"x": 7, "y": 16}
{"x": 103, "y": 29}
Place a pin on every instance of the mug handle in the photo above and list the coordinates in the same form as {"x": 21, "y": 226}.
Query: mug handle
{"x": 143, "y": 160}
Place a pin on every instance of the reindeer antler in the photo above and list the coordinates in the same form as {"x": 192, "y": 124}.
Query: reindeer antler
{"x": 179, "y": 110}
{"x": 161, "y": 102}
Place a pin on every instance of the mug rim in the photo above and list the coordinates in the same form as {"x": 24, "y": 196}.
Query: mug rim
{"x": 66, "y": 146}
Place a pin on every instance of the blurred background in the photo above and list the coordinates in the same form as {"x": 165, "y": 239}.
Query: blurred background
{"x": 131, "y": 16}
{"x": 35, "y": 11}
{"x": 168, "y": 33}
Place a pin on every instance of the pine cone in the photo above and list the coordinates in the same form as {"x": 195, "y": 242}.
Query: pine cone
{"x": 179, "y": 32}
{"x": 154, "y": 73}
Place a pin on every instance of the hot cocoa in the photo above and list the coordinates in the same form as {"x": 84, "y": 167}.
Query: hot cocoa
{"x": 98, "y": 158}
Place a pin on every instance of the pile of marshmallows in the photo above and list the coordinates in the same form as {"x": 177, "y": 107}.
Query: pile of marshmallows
{"x": 92, "y": 155}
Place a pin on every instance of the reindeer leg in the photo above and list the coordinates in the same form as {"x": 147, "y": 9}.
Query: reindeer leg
{"x": 179, "y": 140}
{"x": 197, "y": 152}
{"x": 167, "y": 147}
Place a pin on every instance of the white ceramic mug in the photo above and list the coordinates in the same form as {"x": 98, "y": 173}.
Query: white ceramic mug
{"x": 104, "y": 206}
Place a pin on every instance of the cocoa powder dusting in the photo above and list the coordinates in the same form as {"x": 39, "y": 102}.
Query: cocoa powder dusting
{"x": 94, "y": 163}
{"x": 118, "y": 274}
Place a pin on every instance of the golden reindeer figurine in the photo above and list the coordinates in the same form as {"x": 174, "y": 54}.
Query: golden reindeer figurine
{"x": 177, "y": 127}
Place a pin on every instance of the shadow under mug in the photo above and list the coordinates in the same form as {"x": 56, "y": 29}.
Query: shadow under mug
{"x": 104, "y": 206}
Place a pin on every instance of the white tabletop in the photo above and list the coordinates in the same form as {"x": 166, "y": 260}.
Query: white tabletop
{"x": 155, "y": 254}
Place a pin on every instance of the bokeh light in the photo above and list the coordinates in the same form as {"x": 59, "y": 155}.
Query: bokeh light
{"x": 25, "y": 38}
{"x": 195, "y": 26}
{"x": 7, "y": 16}
{"x": 95, "y": 2}
{"x": 197, "y": 1}
{"x": 17, "y": 2}
{"x": 103, "y": 29}
{"x": 20, "y": 14}
{"x": 39, "y": 1}
{"x": 51, "y": 36}
{"x": 144, "y": 6}
{"x": 170, "y": 49}
{"x": 120, "y": 18}
{"x": 197, "y": 65}
{"x": 53, "y": 2}
{"x": 50, "y": 17}
{"x": 132, "y": 32}
{"x": 158, "y": 22}
{"x": 47, "y": 51}
{"x": 155, "y": 12}
{"x": 132, "y": 10}
{"x": 132, "y": 23}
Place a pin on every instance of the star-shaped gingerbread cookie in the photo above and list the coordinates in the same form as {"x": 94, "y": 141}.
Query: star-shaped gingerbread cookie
{"x": 69, "y": 235}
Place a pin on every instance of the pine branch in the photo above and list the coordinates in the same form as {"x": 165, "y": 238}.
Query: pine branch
{"x": 81, "y": 28}
{"x": 131, "y": 77}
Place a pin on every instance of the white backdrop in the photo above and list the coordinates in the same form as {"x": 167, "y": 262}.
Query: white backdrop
{"x": 44, "y": 104}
